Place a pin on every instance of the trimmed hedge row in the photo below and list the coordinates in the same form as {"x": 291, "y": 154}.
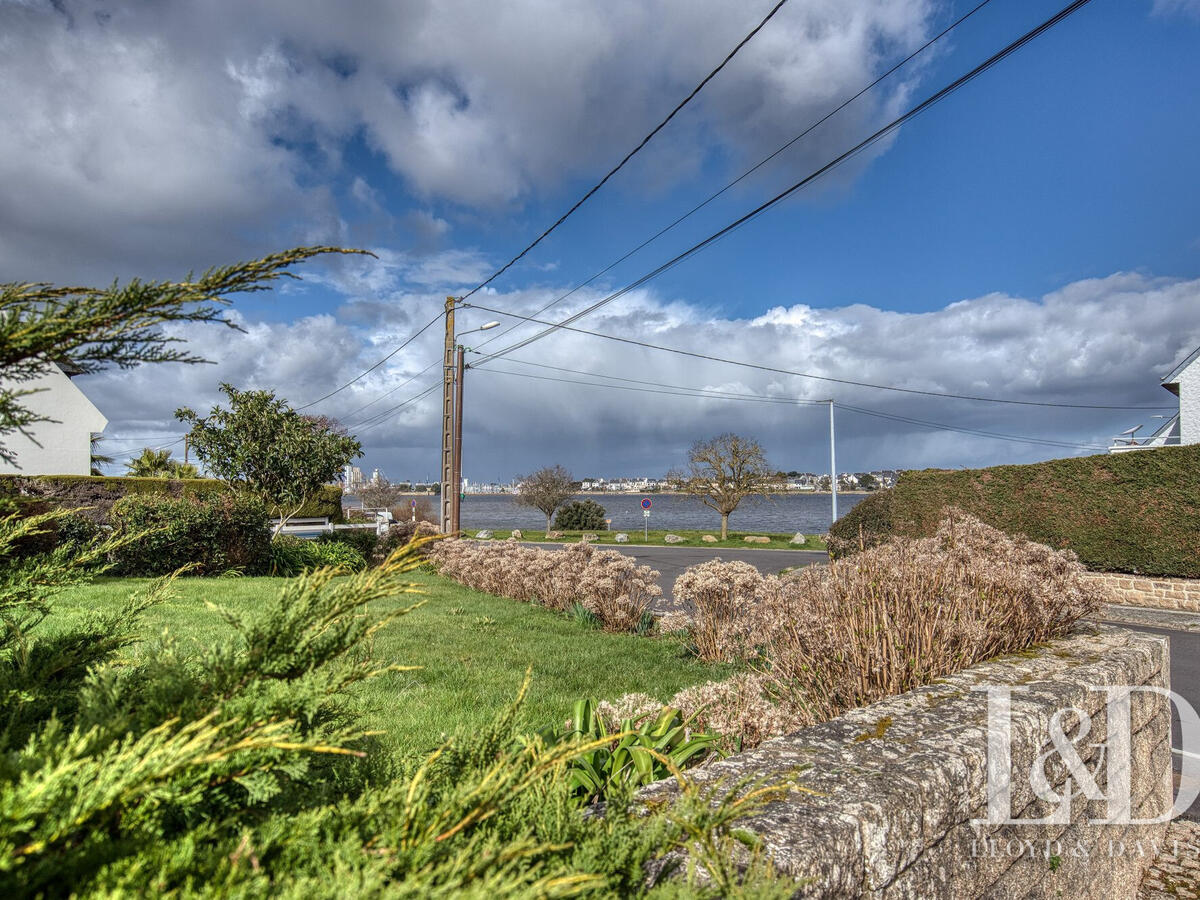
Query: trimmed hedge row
{"x": 1129, "y": 512}
{"x": 100, "y": 492}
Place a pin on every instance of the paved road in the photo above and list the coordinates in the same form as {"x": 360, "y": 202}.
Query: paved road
{"x": 1185, "y": 681}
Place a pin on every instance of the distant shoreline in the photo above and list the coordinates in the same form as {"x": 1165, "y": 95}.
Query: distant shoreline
{"x": 643, "y": 494}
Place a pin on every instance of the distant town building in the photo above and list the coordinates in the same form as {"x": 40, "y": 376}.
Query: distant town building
{"x": 62, "y": 446}
{"x": 1182, "y": 428}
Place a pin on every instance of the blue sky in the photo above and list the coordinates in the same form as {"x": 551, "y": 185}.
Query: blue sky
{"x": 1033, "y": 236}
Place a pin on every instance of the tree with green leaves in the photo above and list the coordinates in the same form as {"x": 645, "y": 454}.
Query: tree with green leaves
{"x": 263, "y": 447}
{"x": 158, "y": 464}
{"x": 722, "y": 472}
{"x": 99, "y": 459}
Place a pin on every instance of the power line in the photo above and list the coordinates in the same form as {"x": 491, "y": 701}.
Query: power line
{"x": 355, "y": 412}
{"x": 953, "y": 25}
{"x": 628, "y": 156}
{"x": 829, "y": 378}
{"x": 379, "y": 418}
{"x": 792, "y": 401}
{"x": 412, "y": 337}
{"x": 808, "y": 179}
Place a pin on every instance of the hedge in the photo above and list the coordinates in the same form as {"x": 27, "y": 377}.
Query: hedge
{"x": 1129, "y": 512}
{"x": 100, "y": 492}
{"x": 215, "y": 532}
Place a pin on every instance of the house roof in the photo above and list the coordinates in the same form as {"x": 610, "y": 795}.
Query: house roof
{"x": 1173, "y": 377}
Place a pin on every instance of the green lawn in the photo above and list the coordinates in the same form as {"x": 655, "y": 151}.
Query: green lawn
{"x": 690, "y": 538}
{"x": 474, "y": 648}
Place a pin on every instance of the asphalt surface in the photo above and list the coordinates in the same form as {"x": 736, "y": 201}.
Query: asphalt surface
{"x": 1185, "y": 681}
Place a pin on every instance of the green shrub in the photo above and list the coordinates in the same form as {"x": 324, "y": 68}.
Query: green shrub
{"x": 1125, "y": 512}
{"x": 637, "y": 752}
{"x": 98, "y": 493}
{"x": 581, "y": 515}
{"x": 340, "y": 555}
{"x": 211, "y": 534}
{"x": 292, "y": 556}
{"x": 364, "y": 540}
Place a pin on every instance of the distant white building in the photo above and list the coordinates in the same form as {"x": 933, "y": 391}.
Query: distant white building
{"x": 1182, "y": 428}
{"x": 59, "y": 447}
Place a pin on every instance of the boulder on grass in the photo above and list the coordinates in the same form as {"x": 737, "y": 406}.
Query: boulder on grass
{"x": 484, "y": 535}
{"x": 673, "y": 539}
{"x": 756, "y": 539}
{"x": 621, "y": 538}
{"x": 709, "y": 538}
{"x": 799, "y": 538}
{"x": 516, "y": 535}
{"x": 553, "y": 535}
{"x": 588, "y": 537}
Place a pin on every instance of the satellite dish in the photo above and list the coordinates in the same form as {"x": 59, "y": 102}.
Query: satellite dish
{"x": 1130, "y": 431}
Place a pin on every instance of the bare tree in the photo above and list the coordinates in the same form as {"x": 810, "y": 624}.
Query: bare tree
{"x": 380, "y": 494}
{"x": 546, "y": 489}
{"x": 722, "y": 471}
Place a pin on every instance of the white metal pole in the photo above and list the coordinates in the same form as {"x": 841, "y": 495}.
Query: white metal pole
{"x": 832, "y": 464}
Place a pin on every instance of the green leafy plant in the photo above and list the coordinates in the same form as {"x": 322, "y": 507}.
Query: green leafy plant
{"x": 292, "y": 556}
{"x": 640, "y": 751}
{"x": 208, "y": 535}
{"x": 158, "y": 464}
{"x": 581, "y": 515}
{"x": 364, "y": 540}
{"x": 262, "y": 447}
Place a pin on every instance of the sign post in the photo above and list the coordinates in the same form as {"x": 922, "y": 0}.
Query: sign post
{"x": 414, "y": 510}
{"x": 646, "y": 504}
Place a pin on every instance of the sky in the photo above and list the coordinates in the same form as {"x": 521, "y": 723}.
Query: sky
{"x": 1032, "y": 237}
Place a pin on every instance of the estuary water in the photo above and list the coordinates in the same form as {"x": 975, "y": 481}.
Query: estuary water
{"x": 808, "y": 513}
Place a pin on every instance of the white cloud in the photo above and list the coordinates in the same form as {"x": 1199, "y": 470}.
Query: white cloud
{"x": 153, "y": 138}
{"x": 1103, "y": 341}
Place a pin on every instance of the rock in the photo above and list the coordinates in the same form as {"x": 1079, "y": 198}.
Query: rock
{"x": 756, "y": 539}
{"x": 588, "y": 537}
{"x": 799, "y": 538}
{"x": 709, "y": 538}
{"x": 484, "y": 535}
{"x": 553, "y": 535}
{"x": 673, "y": 539}
{"x": 621, "y": 538}
{"x": 516, "y": 535}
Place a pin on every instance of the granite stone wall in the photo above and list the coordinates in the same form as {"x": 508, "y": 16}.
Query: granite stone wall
{"x": 886, "y": 795}
{"x": 1158, "y": 593}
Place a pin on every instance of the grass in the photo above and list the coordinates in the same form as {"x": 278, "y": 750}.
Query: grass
{"x": 474, "y": 649}
{"x": 656, "y": 538}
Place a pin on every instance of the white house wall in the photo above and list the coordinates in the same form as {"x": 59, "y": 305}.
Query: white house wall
{"x": 65, "y": 443}
{"x": 1189, "y": 404}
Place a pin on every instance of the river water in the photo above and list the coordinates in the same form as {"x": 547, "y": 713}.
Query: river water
{"x": 808, "y": 513}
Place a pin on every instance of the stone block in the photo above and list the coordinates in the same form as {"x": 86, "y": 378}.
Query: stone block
{"x": 756, "y": 539}
{"x": 709, "y": 538}
{"x": 672, "y": 539}
{"x": 483, "y": 535}
{"x": 516, "y": 535}
{"x": 621, "y": 538}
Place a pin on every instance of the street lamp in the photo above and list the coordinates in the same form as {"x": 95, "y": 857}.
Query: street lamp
{"x": 456, "y": 466}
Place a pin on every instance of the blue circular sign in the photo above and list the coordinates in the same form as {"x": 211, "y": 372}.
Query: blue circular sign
{"x": 646, "y": 504}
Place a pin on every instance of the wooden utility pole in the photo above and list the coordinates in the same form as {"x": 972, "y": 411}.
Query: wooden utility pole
{"x": 456, "y": 498}
{"x": 447, "y": 474}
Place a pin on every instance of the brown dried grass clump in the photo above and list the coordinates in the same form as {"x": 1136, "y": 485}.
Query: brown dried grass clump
{"x": 901, "y": 614}
{"x": 610, "y": 585}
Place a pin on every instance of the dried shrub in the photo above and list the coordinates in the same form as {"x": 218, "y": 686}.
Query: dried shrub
{"x": 727, "y": 600}
{"x": 610, "y": 585}
{"x": 896, "y": 616}
{"x": 740, "y": 709}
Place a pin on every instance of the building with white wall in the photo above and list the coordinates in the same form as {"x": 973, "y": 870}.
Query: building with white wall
{"x": 1182, "y": 428}
{"x": 62, "y": 446}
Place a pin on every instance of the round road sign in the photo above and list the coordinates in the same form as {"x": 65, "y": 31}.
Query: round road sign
{"x": 646, "y": 504}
